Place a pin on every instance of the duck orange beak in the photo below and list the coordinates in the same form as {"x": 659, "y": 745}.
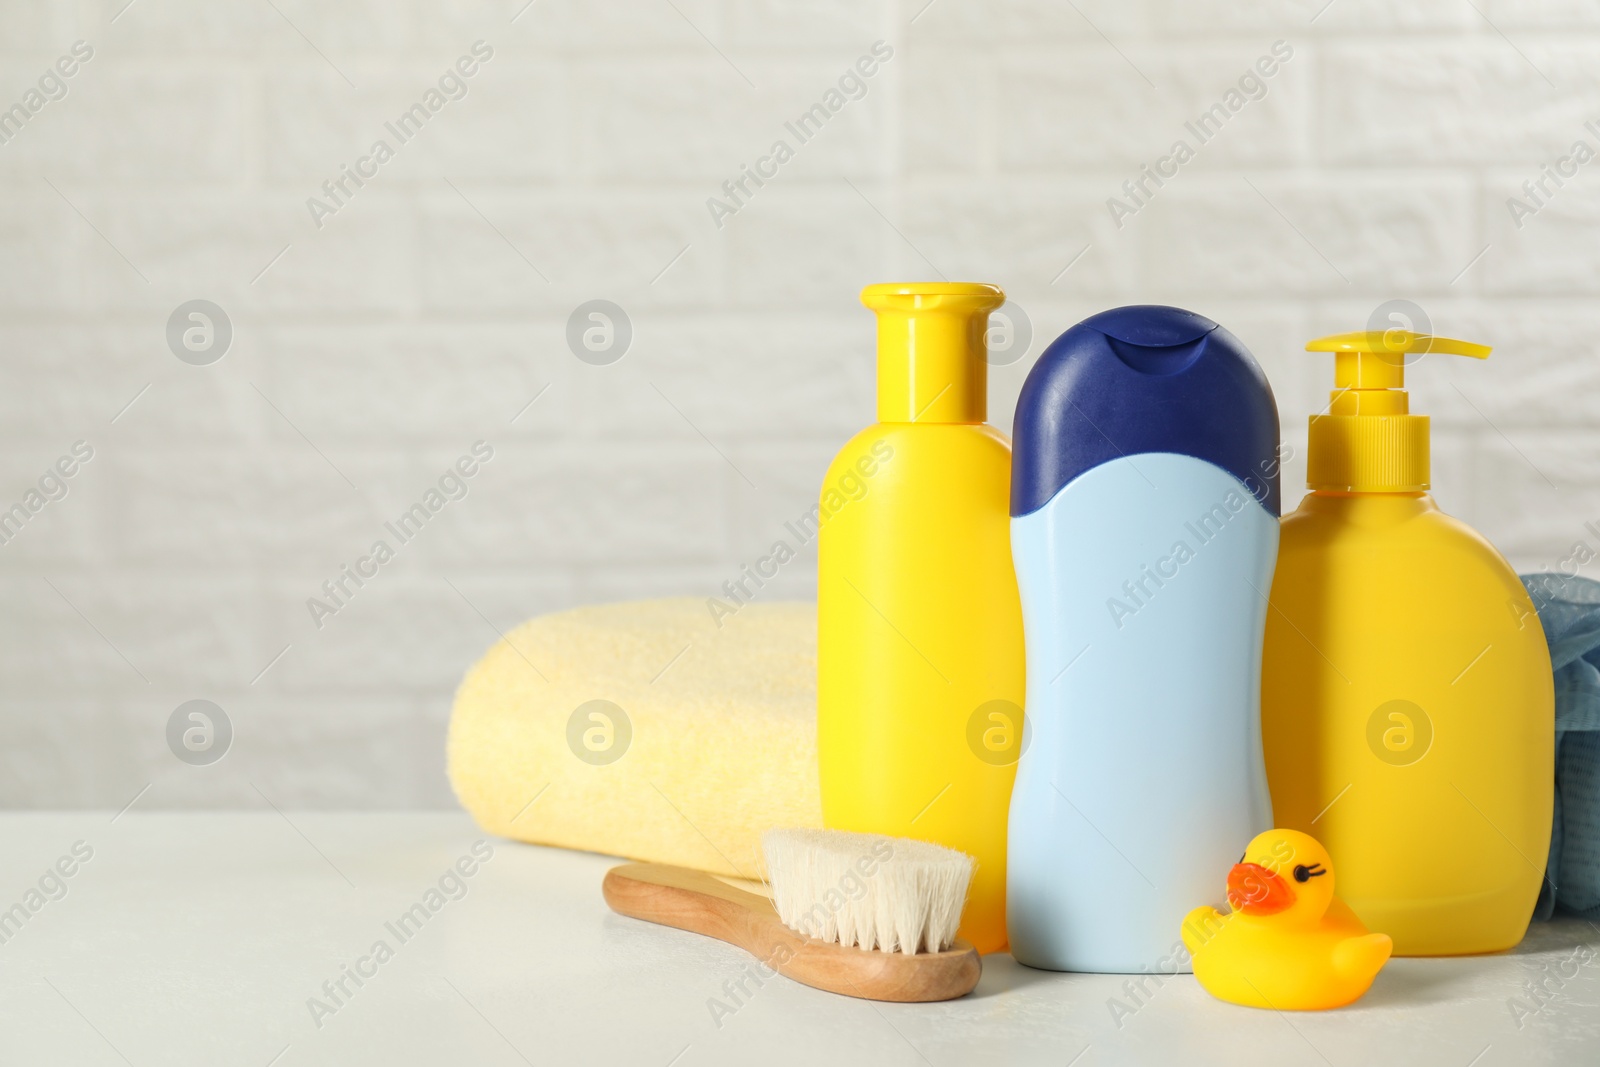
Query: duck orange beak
{"x": 1255, "y": 890}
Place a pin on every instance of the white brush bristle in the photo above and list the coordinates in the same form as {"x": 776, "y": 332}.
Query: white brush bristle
{"x": 886, "y": 893}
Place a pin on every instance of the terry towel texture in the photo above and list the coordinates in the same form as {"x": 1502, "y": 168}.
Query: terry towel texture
{"x": 714, "y": 744}
{"x": 1569, "y": 609}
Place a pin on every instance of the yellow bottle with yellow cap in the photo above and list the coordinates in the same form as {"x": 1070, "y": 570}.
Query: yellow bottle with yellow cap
{"x": 1407, "y": 707}
{"x": 919, "y": 629}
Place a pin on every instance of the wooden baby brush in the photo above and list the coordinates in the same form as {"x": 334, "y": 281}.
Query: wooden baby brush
{"x": 858, "y": 914}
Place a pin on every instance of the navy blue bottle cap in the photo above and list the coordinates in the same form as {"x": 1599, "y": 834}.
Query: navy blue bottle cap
{"x": 1144, "y": 378}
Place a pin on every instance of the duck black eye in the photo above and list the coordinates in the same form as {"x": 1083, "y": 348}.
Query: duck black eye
{"x": 1302, "y": 873}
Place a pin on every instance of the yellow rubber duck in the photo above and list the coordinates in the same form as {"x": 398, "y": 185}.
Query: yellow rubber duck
{"x": 1288, "y": 943}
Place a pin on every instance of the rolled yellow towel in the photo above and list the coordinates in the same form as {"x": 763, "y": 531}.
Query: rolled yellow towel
{"x": 644, "y": 730}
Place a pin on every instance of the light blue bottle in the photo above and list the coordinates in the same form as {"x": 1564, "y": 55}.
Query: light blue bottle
{"x": 1144, "y": 532}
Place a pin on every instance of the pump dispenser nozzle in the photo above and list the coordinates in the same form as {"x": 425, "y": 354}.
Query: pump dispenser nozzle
{"x": 1368, "y": 441}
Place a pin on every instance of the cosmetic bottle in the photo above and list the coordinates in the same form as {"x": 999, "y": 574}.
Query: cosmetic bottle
{"x": 919, "y": 633}
{"x": 1407, "y": 696}
{"x": 1144, "y": 526}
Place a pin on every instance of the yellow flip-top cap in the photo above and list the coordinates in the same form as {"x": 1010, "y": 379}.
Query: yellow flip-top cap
{"x": 1368, "y": 441}
{"x": 932, "y": 344}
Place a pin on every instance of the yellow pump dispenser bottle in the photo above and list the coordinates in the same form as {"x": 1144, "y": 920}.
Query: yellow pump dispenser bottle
{"x": 1407, "y": 704}
{"x": 919, "y": 628}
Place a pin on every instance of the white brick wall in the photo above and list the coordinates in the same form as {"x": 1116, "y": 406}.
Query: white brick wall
{"x": 416, "y": 321}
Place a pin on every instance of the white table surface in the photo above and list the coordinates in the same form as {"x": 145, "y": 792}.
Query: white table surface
{"x": 199, "y": 938}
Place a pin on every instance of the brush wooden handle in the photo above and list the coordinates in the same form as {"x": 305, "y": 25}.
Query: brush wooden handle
{"x": 697, "y": 902}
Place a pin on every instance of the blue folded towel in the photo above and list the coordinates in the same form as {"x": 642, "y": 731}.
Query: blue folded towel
{"x": 1569, "y": 609}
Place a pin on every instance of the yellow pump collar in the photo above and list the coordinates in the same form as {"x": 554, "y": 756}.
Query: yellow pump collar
{"x": 931, "y": 349}
{"x": 1368, "y": 441}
